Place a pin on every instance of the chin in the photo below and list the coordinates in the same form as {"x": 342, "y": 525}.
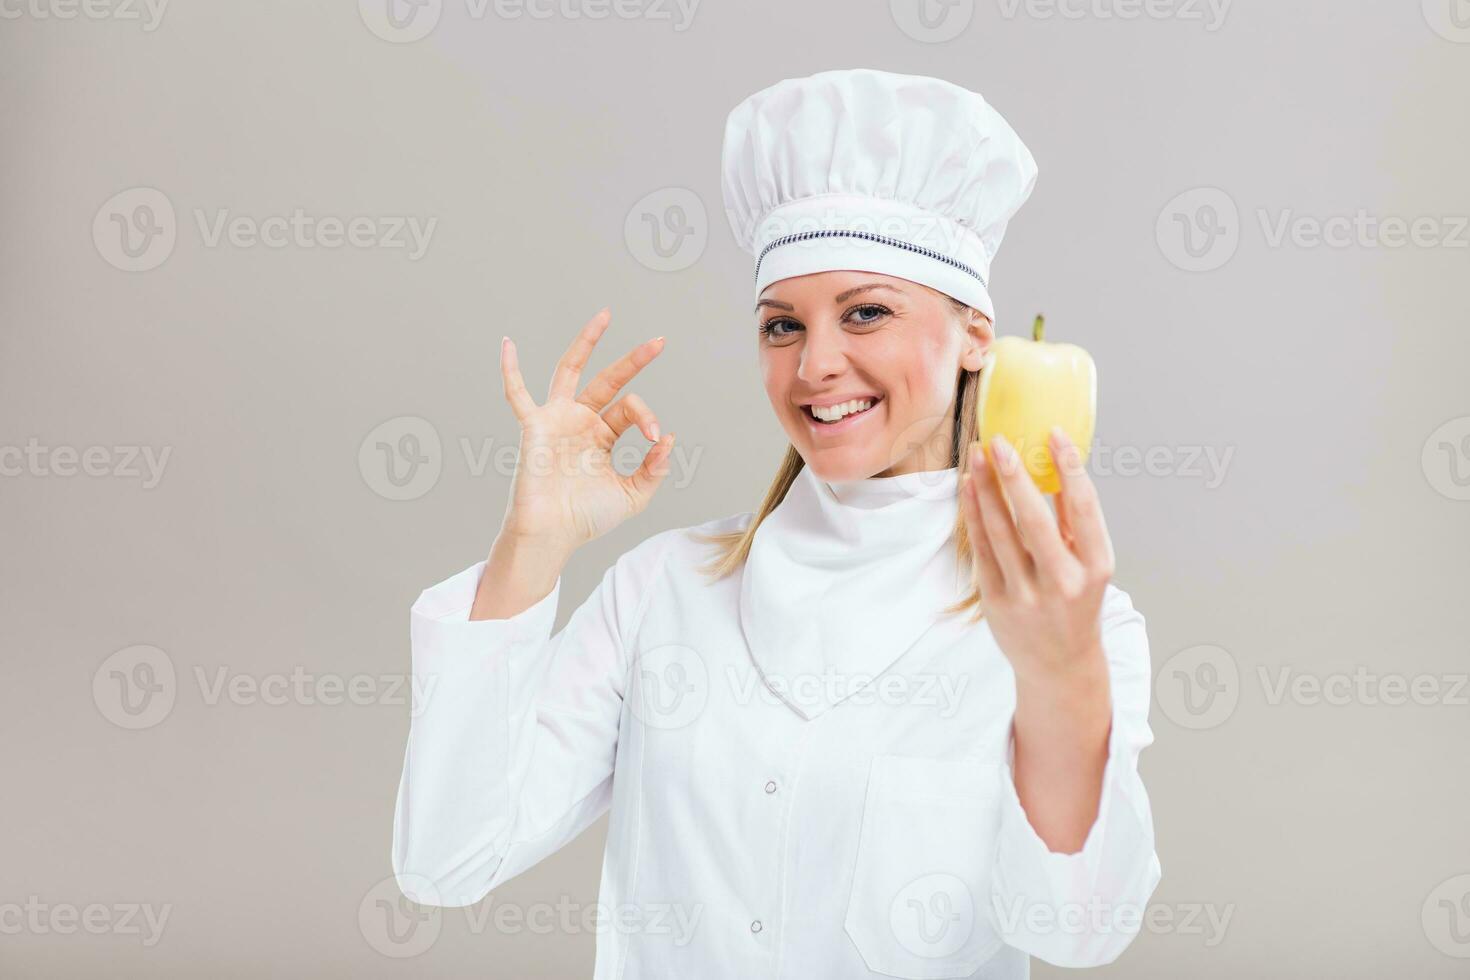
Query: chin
{"x": 838, "y": 464}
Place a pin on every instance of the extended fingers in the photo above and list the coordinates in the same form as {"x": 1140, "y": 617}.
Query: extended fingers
{"x": 1004, "y": 539}
{"x": 1039, "y": 532}
{"x": 610, "y": 380}
{"x": 569, "y": 366}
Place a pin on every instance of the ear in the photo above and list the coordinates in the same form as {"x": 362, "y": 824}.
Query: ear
{"x": 979, "y": 334}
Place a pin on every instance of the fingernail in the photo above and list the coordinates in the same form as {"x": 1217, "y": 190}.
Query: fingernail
{"x": 654, "y": 429}
{"x": 1003, "y": 452}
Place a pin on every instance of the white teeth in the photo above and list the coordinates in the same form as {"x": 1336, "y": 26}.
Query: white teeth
{"x": 832, "y": 413}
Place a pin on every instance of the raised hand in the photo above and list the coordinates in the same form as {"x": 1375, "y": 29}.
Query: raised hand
{"x": 565, "y": 491}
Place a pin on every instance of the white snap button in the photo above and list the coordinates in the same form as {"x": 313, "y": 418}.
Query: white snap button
{"x": 771, "y": 786}
{"x": 756, "y": 926}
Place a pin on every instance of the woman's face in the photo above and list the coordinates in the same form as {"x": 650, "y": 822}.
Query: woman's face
{"x": 834, "y": 337}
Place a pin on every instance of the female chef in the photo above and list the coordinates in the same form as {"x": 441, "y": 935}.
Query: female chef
{"x": 885, "y": 725}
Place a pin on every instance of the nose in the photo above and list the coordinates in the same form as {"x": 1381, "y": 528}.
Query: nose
{"x": 823, "y": 354}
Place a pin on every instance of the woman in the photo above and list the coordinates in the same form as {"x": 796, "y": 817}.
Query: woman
{"x": 887, "y": 724}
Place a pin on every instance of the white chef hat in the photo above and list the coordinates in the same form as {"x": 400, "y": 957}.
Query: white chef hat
{"x": 904, "y": 175}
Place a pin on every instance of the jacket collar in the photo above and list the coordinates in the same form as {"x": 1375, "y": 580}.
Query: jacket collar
{"x": 844, "y": 577}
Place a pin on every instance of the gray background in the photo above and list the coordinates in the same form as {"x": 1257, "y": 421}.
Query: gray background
{"x": 1330, "y": 378}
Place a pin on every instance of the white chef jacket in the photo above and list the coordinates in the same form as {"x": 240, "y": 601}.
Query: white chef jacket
{"x": 880, "y": 837}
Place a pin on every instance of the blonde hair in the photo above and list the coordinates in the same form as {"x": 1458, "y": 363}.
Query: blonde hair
{"x": 733, "y": 547}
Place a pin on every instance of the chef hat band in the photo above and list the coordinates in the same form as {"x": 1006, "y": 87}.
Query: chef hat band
{"x": 902, "y": 175}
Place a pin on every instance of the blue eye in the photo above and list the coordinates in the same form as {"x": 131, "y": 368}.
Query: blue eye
{"x": 878, "y": 312}
{"x": 768, "y": 329}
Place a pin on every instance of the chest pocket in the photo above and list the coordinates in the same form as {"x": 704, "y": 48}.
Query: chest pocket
{"x": 920, "y": 901}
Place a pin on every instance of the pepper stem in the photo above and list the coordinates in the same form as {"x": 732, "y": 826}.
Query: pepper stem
{"x": 1037, "y": 328}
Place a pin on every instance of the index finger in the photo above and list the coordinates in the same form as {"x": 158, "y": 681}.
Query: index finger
{"x": 569, "y": 367}
{"x": 1039, "y": 532}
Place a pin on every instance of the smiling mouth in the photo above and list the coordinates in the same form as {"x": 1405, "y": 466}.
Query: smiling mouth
{"x": 807, "y": 411}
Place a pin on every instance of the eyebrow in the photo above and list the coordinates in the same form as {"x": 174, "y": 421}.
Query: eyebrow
{"x": 850, "y": 293}
{"x": 841, "y": 297}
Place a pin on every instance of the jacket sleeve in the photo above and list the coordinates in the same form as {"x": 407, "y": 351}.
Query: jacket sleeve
{"x": 1083, "y": 909}
{"x": 513, "y": 732}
